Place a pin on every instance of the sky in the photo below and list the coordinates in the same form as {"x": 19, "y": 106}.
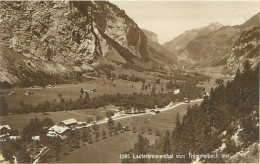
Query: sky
{"x": 168, "y": 19}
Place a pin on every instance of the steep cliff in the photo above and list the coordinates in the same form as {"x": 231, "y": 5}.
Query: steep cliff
{"x": 157, "y": 51}
{"x": 66, "y": 37}
{"x": 245, "y": 48}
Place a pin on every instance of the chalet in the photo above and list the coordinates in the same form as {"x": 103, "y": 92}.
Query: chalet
{"x": 51, "y": 86}
{"x": 28, "y": 93}
{"x": 11, "y": 93}
{"x": 154, "y": 112}
{"x": 57, "y": 131}
{"x": 69, "y": 122}
{"x": 4, "y": 129}
{"x": 4, "y": 132}
{"x": 36, "y": 138}
{"x": 125, "y": 128}
{"x": 176, "y": 91}
{"x": 14, "y": 138}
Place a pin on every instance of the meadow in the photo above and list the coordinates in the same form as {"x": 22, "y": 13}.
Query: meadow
{"x": 109, "y": 149}
{"x": 72, "y": 91}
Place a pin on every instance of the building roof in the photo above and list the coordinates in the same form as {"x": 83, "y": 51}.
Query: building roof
{"x": 36, "y": 138}
{"x": 58, "y": 129}
{"x": 5, "y": 126}
{"x": 69, "y": 121}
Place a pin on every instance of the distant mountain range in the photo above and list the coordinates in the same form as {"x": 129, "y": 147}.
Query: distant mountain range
{"x": 181, "y": 41}
{"x": 214, "y": 45}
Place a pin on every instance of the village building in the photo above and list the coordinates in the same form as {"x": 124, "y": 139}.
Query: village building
{"x": 154, "y": 112}
{"x": 4, "y": 131}
{"x": 69, "y": 122}
{"x": 14, "y": 138}
{"x": 36, "y": 138}
{"x": 176, "y": 91}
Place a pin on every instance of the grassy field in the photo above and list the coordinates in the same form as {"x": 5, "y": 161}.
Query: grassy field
{"x": 19, "y": 121}
{"x": 108, "y": 150}
{"x": 214, "y": 73}
{"x": 71, "y": 91}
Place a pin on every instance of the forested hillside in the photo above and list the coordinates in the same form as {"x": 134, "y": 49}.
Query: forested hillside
{"x": 226, "y": 122}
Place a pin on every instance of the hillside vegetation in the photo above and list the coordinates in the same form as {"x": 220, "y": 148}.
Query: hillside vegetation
{"x": 226, "y": 123}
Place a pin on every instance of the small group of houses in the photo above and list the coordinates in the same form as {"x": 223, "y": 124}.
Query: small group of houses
{"x": 62, "y": 128}
{"x": 89, "y": 90}
{"x": 11, "y": 93}
{"x": 133, "y": 111}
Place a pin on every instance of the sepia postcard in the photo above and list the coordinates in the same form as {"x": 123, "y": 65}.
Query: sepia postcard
{"x": 129, "y": 81}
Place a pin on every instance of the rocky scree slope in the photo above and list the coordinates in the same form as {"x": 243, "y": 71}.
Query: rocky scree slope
{"x": 65, "y": 38}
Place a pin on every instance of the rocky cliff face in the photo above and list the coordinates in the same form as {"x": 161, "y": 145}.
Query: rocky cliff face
{"x": 182, "y": 40}
{"x": 245, "y": 48}
{"x": 157, "y": 52}
{"x": 65, "y": 37}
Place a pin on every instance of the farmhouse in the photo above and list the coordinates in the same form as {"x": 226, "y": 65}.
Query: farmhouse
{"x": 36, "y": 138}
{"x": 4, "y": 129}
{"x": 28, "y": 93}
{"x": 69, "y": 122}
{"x": 176, "y": 91}
{"x": 14, "y": 138}
{"x": 154, "y": 112}
{"x": 56, "y": 131}
{"x": 4, "y": 132}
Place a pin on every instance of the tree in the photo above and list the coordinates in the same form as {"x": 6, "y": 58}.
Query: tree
{"x": 110, "y": 122}
{"x": 246, "y": 67}
{"x": 115, "y": 131}
{"x": 104, "y": 135}
{"x": 162, "y": 89}
{"x": 157, "y": 132}
{"x": 98, "y": 118}
{"x": 178, "y": 121}
{"x": 47, "y": 122}
{"x": 97, "y": 135}
{"x": 150, "y": 130}
{"x": 7, "y": 154}
{"x": 110, "y": 131}
{"x": 219, "y": 81}
{"x": 57, "y": 147}
{"x": 90, "y": 139}
{"x": 21, "y": 103}
{"x": 3, "y": 106}
{"x": 81, "y": 91}
{"x": 134, "y": 130}
{"x": 119, "y": 126}
{"x": 167, "y": 143}
{"x": 60, "y": 95}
